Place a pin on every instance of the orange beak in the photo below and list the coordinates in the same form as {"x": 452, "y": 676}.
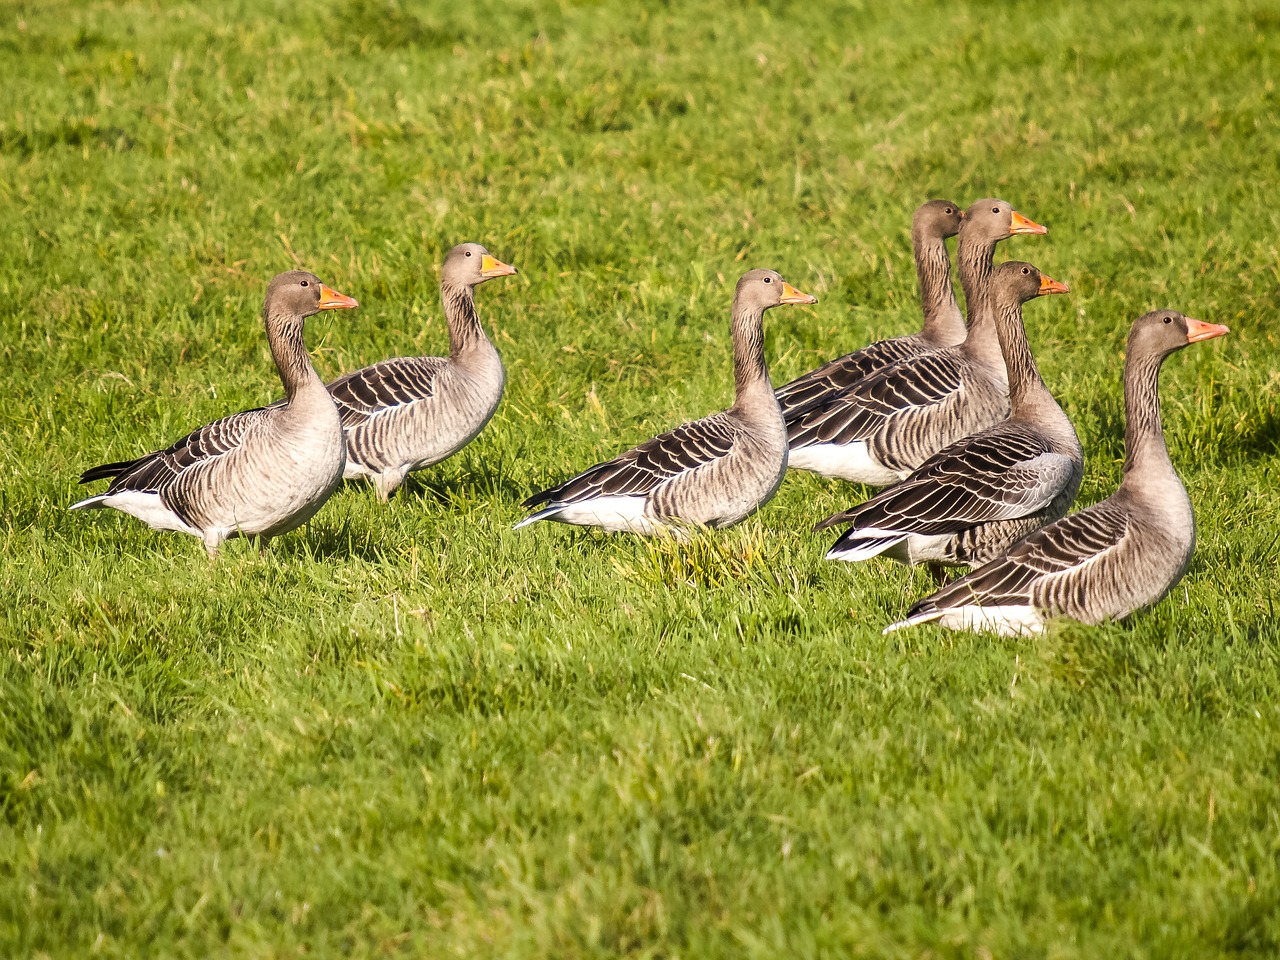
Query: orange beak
{"x": 491, "y": 267}
{"x": 1020, "y": 224}
{"x": 331, "y": 299}
{"x": 1049, "y": 285}
{"x": 1198, "y": 330}
{"x": 791, "y": 295}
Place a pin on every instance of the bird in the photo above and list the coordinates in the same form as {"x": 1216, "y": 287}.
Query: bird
{"x": 1110, "y": 559}
{"x": 711, "y": 472}
{"x": 972, "y": 500}
{"x": 885, "y": 425}
{"x": 931, "y": 225}
{"x": 406, "y": 413}
{"x": 259, "y": 473}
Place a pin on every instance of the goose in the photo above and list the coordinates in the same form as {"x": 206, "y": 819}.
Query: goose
{"x": 969, "y": 502}
{"x": 259, "y": 473}
{"x": 931, "y": 225}
{"x": 406, "y": 413}
{"x": 885, "y": 425}
{"x": 711, "y": 472}
{"x": 1110, "y": 559}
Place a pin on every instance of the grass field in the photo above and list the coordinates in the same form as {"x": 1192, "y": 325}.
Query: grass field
{"x": 406, "y": 730}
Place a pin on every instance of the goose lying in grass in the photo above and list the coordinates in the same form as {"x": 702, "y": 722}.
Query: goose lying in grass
{"x": 971, "y": 501}
{"x": 256, "y": 474}
{"x": 931, "y": 225}
{"x": 711, "y": 472}
{"x": 1107, "y": 560}
{"x": 885, "y": 425}
{"x": 406, "y": 413}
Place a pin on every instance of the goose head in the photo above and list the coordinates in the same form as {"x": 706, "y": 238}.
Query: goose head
{"x": 994, "y": 220}
{"x": 937, "y": 218}
{"x": 1020, "y": 282}
{"x": 470, "y": 264}
{"x": 762, "y": 289}
{"x": 298, "y": 294}
{"x": 1161, "y": 332}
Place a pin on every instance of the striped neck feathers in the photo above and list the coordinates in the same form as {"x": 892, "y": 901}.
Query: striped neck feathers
{"x": 749, "y": 368}
{"x": 1145, "y": 451}
{"x": 975, "y": 256}
{"x": 289, "y": 351}
{"x": 460, "y": 314}
{"x": 943, "y": 322}
{"x": 1026, "y": 387}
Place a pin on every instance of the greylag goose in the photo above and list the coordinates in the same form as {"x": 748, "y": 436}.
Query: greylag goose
{"x": 972, "y": 500}
{"x": 1110, "y": 559}
{"x": 259, "y": 473}
{"x": 885, "y": 425}
{"x": 403, "y": 414}
{"x": 711, "y": 472}
{"x": 931, "y": 225}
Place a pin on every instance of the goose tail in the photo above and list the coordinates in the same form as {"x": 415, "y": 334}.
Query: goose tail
{"x": 858, "y": 545}
{"x": 925, "y": 613}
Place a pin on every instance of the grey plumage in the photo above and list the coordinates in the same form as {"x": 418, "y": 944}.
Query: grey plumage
{"x": 258, "y": 473}
{"x": 711, "y": 472}
{"x": 885, "y": 425}
{"x": 931, "y": 225}
{"x": 1107, "y": 560}
{"x": 406, "y": 413}
{"x": 973, "y": 499}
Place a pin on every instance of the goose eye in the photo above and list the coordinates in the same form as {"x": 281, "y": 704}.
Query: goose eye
{"x": 768, "y": 279}
{"x": 1026, "y": 272}
{"x": 468, "y": 253}
{"x": 303, "y": 282}
{"x": 1168, "y": 319}
{"x": 949, "y": 211}
{"x": 995, "y": 209}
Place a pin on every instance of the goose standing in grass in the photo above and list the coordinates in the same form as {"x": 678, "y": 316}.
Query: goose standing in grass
{"x": 931, "y": 225}
{"x": 885, "y": 425}
{"x": 711, "y": 472}
{"x": 972, "y": 500}
{"x": 403, "y": 414}
{"x": 259, "y": 473}
{"x": 1107, "y": 560}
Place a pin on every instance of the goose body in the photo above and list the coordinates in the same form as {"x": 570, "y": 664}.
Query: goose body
{"x": 406, "y": 413}
{"x": 259, "y": 473}
{"x": 885, "y": 425}
{"x": 931, "y": 225}
{"x": 973, "y": 499}
{"x": 711, "y": 472}
{"x": 1110, "y": 559}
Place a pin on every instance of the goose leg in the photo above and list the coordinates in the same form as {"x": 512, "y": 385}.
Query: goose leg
{"x": 939, "y": 573}
{"x": 388, "y": 482}
{"x": 212, "y": 541}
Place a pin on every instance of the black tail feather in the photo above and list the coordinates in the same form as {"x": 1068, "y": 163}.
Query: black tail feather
{"x": 106, "y": 471}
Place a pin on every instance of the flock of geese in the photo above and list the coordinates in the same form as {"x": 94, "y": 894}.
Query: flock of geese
{"x": 979, "y": 463}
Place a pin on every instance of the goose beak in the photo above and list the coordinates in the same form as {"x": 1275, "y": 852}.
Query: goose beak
{"x": 791, "y": 295}
{"x": 1049, "y": 285}
{"x": 331, "y": 299}
{"x": 1198, "y": 330}
{"x": 1020, "y": 224}
{"x": 491, "y": 267}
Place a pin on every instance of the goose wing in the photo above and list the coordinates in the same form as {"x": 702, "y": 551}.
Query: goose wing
{"x": 1050, "y": 563}
{"x": 1001, "y": 474}
{"x": 388, "y": 385}
{"x": 841, "y": 373}
{"x": 874, "y": 403}
{"x": 642, "y": 469}
{"x": 158, "y": 472}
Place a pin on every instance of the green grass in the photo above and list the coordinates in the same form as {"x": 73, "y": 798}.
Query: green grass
{"x": 408, "y": 731}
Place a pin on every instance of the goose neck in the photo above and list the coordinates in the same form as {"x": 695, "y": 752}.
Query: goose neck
{"x": 982, "y": 342}
{"x": 1026, "y": 386}
{"x": 1145, "y": 451}
{"x": 289, "y": 351}
{"x": 942, "y": 320}
{"x": 750, "y": 372}
{"x": 460, "y": 314}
